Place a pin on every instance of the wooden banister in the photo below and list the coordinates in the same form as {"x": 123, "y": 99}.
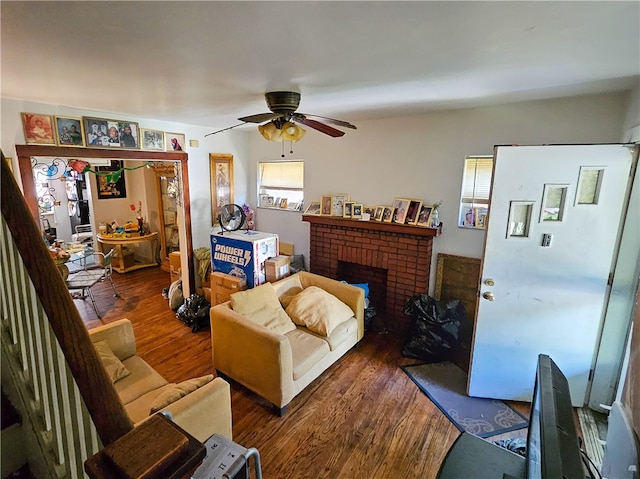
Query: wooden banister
{"x": 98, "y": 393}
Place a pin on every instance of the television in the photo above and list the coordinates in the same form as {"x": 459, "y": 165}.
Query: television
{"x": 553, "y": 450}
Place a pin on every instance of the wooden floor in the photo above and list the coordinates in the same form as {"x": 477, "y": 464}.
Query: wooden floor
{"x": 363, "y": 418}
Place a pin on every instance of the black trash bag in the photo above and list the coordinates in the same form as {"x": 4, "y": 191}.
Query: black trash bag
{"x": 437, "y": 331}
{"x": 194, "y": 312}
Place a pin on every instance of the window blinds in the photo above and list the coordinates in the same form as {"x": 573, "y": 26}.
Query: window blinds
{"x": 476, "y": 184}
{"x": 284, "y": 174}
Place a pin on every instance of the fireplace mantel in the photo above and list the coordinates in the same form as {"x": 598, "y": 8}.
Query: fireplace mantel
{"x": 394, "y": 259}
{"x": 374, "y": 225}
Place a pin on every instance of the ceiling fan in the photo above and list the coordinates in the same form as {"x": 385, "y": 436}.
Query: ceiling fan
{"x": 281, "y": 122}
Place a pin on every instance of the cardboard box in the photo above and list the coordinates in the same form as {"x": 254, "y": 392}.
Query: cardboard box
{"x": 277, "y": 268}
{"x": 242, "y": 254}
{"x": 224, "y": 285}
{"x": 174, "y": 261}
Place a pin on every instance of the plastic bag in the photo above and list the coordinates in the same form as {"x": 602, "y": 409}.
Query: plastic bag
{"x": 194, "y": 312}
{"x": 437, "y": 331}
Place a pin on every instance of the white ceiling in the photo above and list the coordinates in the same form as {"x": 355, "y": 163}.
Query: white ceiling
{"x": 208, "y": 63}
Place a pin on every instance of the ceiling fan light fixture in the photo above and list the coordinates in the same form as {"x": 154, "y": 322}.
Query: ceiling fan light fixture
{"x": 270, "y": 131}
{"x": 292, "y": 132}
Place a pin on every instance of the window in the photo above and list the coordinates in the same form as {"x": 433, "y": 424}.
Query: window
{"x": 281, "y": 184}
{"x": 476, "y": 186}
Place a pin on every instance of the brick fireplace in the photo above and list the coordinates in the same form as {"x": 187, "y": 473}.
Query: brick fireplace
{"x": 394, "y": 259}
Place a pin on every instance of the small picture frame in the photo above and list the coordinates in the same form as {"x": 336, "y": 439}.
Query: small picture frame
{"x": 370, "y": 210}
{"x": 326, "y": 203}
{"x": 38, "y": 129}
{"x": 347, "y": 211}
{"x": 413, "y": 211}
{"x": 129, "y": 135}
{"x": 283, "y": 202}
{"x": 175, "y": 141}
{"x": 271, "y": 201}
{"x": 400, "y": 208}
{"x": 264, "y": 200}
{"x": 69, "y": 131}
{"x": 356, "y": 211}
{"x": 387, "y": 214}
{"x": 313, "y": 209}
{"x": 379, "y": 213}
{"x": 97, "y": 131}
{"x": 152, "y": 140}
{"x": 424, "y": 216}
{"x": 337, "y": 204}
{"x": 469, "y": 218}
{"x": 481, "y": 217}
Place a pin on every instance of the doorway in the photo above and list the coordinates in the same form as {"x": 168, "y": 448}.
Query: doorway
{"x": 25, "y": 153}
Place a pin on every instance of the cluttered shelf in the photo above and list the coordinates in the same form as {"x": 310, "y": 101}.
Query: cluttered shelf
{"x": 374, "y": 225}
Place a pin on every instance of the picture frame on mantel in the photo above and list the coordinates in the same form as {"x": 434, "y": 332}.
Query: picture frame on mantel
{"x": 337, "y": 204}
{"x": 326, "y": 205}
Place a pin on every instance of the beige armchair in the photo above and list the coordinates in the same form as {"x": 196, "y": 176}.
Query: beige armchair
{"x": 278, "y": 366}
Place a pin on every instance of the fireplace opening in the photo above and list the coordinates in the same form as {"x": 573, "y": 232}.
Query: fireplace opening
{"x": 376, "y": 278}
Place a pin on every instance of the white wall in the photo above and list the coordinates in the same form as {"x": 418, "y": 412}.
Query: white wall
{"x": 423, "y": 156}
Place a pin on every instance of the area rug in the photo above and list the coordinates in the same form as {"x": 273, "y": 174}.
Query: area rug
{"x": 445, "y": 384}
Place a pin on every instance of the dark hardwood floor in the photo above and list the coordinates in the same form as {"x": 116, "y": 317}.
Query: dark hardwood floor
{"x": 363, "y": 418}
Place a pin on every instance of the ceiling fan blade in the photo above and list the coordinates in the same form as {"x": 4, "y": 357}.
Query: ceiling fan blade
{"x": 316, "y": 125}
{"x": 260, "y": 117}
{"x": 333, "y": 121}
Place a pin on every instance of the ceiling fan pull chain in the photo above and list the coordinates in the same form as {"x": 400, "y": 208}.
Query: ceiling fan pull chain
{"x": 282, "y": 149}
{"x": 291, "y": 147}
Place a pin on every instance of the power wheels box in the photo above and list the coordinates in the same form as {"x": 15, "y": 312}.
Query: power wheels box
{"x": 242, "y": 254}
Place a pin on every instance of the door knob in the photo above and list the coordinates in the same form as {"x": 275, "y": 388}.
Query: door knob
{"x": 489, "y": 282}
{"x": 488, "y": 296}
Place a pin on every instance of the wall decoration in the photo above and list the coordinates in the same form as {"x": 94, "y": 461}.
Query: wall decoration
{"x": 69, "y": 131}
{"x": 221, "y": 171}
{"x": 96, "y": 132}
{"x": 175, "y": 141}
{"x": 151, "y": 139}
{"x": 38, "y": 129}
{"x": 110, "y": 181}
{"x": 313, "y": 208}
{"x": 129, "y": 134}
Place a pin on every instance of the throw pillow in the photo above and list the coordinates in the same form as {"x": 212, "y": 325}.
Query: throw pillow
{"x": 115, "y": 369}
{"x": 318, "y": 310}
{"x": 251, "y": 300}
{"x": 286, "y": 298}
{"x": 274, "y": 319}
{"x": 176, "y": 391}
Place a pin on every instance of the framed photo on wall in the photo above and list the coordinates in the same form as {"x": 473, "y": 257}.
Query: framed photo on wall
{"x": 175, "y": 141}
{"x": 151, "y": 139}
{"x": 129, "y": 134}
{"x": 108, "y": 186}
{"x": 69, "y": 131}
{"x": 221, "y": 171}
{"x": 38, "y": 129}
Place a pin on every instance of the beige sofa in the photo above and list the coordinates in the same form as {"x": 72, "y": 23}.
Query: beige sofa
{"x": 202, "y": 412}
{"x": 276, "y": 365}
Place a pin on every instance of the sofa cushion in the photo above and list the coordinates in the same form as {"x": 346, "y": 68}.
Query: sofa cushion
{"x": 143, "y": 378}
{"x": 115, "y": 369}
{"x": 343, "y": 332}
{"x": 318, "y": 310}
{"x": 261, "y": 305}
{"x": 287, "y": 297}
{"x": 307, "y": 350}
{"x": 251, "y": 300}
{"x": 176, "y": 391}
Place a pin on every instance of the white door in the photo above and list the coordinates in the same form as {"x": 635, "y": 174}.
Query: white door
{"x": 551, "y": 238}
